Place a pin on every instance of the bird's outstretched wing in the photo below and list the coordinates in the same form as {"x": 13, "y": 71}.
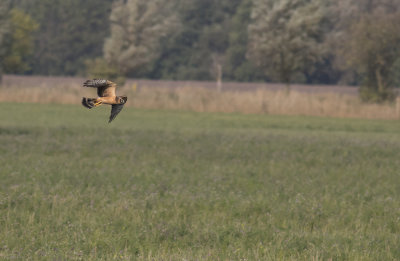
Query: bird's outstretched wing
{"x": 105, "y": 88}
{"x": 115, "y": 109}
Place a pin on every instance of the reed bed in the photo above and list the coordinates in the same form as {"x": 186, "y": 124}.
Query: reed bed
{"x": 199, "y": 99}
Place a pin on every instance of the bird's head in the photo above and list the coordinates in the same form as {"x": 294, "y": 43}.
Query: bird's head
{"x": 122, "y": 99}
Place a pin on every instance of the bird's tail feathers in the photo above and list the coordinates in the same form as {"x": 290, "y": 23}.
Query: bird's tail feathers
{"x": 88, "y": 102}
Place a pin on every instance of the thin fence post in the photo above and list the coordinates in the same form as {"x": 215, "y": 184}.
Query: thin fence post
{"x": 398, "y": 107}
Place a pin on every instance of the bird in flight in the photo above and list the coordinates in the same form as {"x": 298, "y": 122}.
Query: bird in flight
{"x": 106, "y": 93}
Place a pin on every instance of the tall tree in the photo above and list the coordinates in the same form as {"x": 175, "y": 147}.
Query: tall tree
{"x": 201, "y": 47}
{"x": 70, "y": 32}
{"x": 20, "y": 42}
{"x": 374, "y": 51}
{"x": 137, "y": 28}
{"x": 5, "y": 32}
{"x": 286, "y": 36}
{"x": 344, "y": 14}
{"x": 237, "y": 65}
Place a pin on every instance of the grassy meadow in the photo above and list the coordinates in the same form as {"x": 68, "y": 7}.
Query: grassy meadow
{"x": 175, "y": 185}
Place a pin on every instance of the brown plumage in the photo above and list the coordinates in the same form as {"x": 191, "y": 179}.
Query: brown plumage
{"x": 106, "y": 95}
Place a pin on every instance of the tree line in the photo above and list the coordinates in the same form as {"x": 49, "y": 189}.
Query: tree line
{"x": 291, "y": 41}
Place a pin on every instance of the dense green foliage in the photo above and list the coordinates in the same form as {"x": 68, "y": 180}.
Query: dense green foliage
{"x": 195, "y": 186}
{"x": 374, "y": 51}
{"x": 5, "y": 31}
{"x": 213, "y": 32}
{"x": 137, "y": 27}
{"x": 20, "y": 42}
{"x": 70, "y": 32}
{"x": 303, "y": 41}
{"x": 287, "y": 37}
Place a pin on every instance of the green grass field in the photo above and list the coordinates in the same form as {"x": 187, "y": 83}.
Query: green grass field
{"x": 157, "y": 185}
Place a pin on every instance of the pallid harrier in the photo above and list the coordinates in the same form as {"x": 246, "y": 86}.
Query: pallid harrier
{"x": 106, "y": 93}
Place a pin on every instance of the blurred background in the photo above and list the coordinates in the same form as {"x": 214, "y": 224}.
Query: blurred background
{"x": 164, "y": 182}
{"x": 287, "y": 42}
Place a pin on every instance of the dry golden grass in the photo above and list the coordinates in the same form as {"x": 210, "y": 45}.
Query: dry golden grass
{"x": 262, "y": 101}
{"x": 208, "y": 100}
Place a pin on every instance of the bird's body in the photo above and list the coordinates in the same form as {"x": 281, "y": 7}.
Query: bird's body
{"x": 106, "y": 95}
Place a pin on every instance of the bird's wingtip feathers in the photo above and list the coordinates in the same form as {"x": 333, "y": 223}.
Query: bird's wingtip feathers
{"x": 96, "y": 83}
